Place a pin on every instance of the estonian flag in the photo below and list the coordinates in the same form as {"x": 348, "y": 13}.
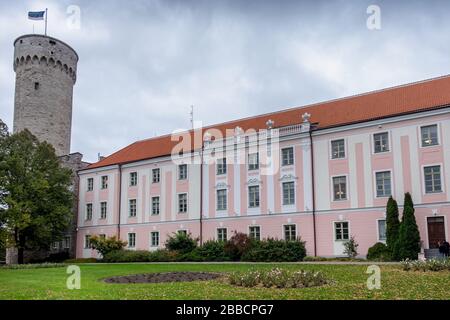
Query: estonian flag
{"x": 36, "y": 15}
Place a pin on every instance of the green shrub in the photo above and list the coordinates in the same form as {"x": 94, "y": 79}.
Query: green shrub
{"x": 238, "y": 244}
{"x": 379, "y": 252}
{"x": 141, "y": 256}
{"x": 106, "y": 245}
{"x": 212, "y": 250}
{"x": 351, "y": 248}
{"x": 277, "y": 278}
{"x": 273, "y": 250}
{"x": 33, "y": 266}
{"x": 181, "y": 242}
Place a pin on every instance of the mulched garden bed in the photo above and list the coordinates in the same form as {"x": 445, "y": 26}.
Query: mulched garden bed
{"x": 164, "y": 277}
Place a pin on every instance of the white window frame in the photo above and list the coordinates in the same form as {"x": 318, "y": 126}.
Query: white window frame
{"x": 67, "y": 243}
{"x": 89, "y": 187}
{"x": 346, "y": 188}
{"x": 133, "y": 182}
{"x": 101, "y": 210}
{"x": 103, "y": 183}
{"x": 375, "y": 183}
{"x": 226, "y": 233}
{"x": 331, "y": 149}
{"x": 221, "y": 166}
{"x": 284, "y": 230}
{"x": 129, "y": 242}
{"x": 424, "y": 188}
{"x": 153, "y": 175}
{"x": 217, "y": 200}
{"x": 151, "y": 239}
{"x": 86, "y": 217}
{"x": 388, "y": 139}
{"x": 249, "y": 164}
{"x": 282, "y": 193}
{"x": 293, "y": 156}
{"x": 259, "y": 196}
{"x": 178, "y": 202}
{"x": 335, "y": 234}
{"x": 184, "y": 177}
{"x": 159, "y": 205}
{"x": 87, "y": 241}
{"x": 438, "y": 128}
{"x": 250, "y": 234}
{"x": 129, "y": 208}
{"x": 378, "y": 230}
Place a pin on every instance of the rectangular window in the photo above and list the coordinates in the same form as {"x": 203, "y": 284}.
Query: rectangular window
{"x": 288, "y": 193}
{"x": 132, "y": 208}
{"x": 383, "y": 180}
{"x": 287, "y": 156}
{"x": 131, "y": 240}
{"x": 90, "y": 184}
{"x": 222, "y": 234}
{"x": 381, "y": 142}
{"x": 290, "y": 232}
{"x": 154, "y": 239}
{"x": 155, "y": 206}
{"x": 102, "y": 236}
{"x": 67, "y": 242}
{"x": 87, "y": 241}
{"x": 255, "y": 232}
{"x": 341, "y": 230}
{"x": 253, "y": 161}
{"x": 222, "y": 199}
{"x": 222, "y": 166}
{"x": 133, "y": 179}
{"x": 429, "y": 135}
{"x": 382, "y": 230}
{"x": 340, "y": 188}
{"x": 182, "y": 203}
{"x": 253, "y": 196}
{"x": 103, "y": 210}
{"x": 89, "y": 211}
{"x": 183, "y": 232}
{"x": 432, "y": 179}
{"x": 338, "y": 149}
{"x": 156, "y": 175}
{"x": 182, "y": 172}
{"x": 104, "y": 183}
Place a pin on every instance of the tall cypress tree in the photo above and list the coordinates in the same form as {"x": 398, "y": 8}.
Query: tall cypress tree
{"x": 409, "y": 236}
{"x": 392, "y": 224}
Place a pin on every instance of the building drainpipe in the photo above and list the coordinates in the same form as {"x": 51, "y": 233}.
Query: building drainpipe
{"x": 120, "y": 201}
{"x": 201, "y": 195}
{"x": 313, "y": 192}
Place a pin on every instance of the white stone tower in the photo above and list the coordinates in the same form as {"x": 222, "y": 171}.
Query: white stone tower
{"x": 46, "y": 71}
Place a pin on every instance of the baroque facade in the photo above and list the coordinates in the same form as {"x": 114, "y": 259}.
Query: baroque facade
{"x": 322, "y": 172}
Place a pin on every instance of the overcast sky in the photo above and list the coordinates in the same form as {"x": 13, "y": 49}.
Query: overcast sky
{"x": 143, "y": 63}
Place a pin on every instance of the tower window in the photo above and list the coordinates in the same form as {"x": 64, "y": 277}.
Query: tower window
{"x": 36, "y": 85}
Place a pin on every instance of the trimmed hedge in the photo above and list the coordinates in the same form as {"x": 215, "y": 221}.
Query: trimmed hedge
{"x": 141, "y": 256}
{"x": 273, "y": 250}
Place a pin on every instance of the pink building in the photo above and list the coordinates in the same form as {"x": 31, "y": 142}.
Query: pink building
{"x": 321, "y": 172}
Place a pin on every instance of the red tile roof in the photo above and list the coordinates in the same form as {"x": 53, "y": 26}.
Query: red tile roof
{"x": 414, "y": 97}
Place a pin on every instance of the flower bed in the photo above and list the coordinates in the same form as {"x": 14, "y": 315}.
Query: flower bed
{"x": 277, "y": 278}
{"x": 428, "y": 265}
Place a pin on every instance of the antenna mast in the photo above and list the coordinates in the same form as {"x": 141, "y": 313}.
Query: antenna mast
{"x": 192, "y": 116}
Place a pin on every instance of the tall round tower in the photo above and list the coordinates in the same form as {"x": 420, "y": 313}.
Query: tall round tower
{"x": 46, "y": 71}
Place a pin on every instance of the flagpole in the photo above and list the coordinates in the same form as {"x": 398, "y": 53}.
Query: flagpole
{"x": 46, "y": 13}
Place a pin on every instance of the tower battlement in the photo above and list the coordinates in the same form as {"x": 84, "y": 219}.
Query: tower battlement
{"x": 46, "y": 71}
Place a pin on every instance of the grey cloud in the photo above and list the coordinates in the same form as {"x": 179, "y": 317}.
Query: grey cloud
{"x": 143, "y": 63}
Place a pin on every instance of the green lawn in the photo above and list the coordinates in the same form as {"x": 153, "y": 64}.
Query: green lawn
{"x": 349, "y": 282}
